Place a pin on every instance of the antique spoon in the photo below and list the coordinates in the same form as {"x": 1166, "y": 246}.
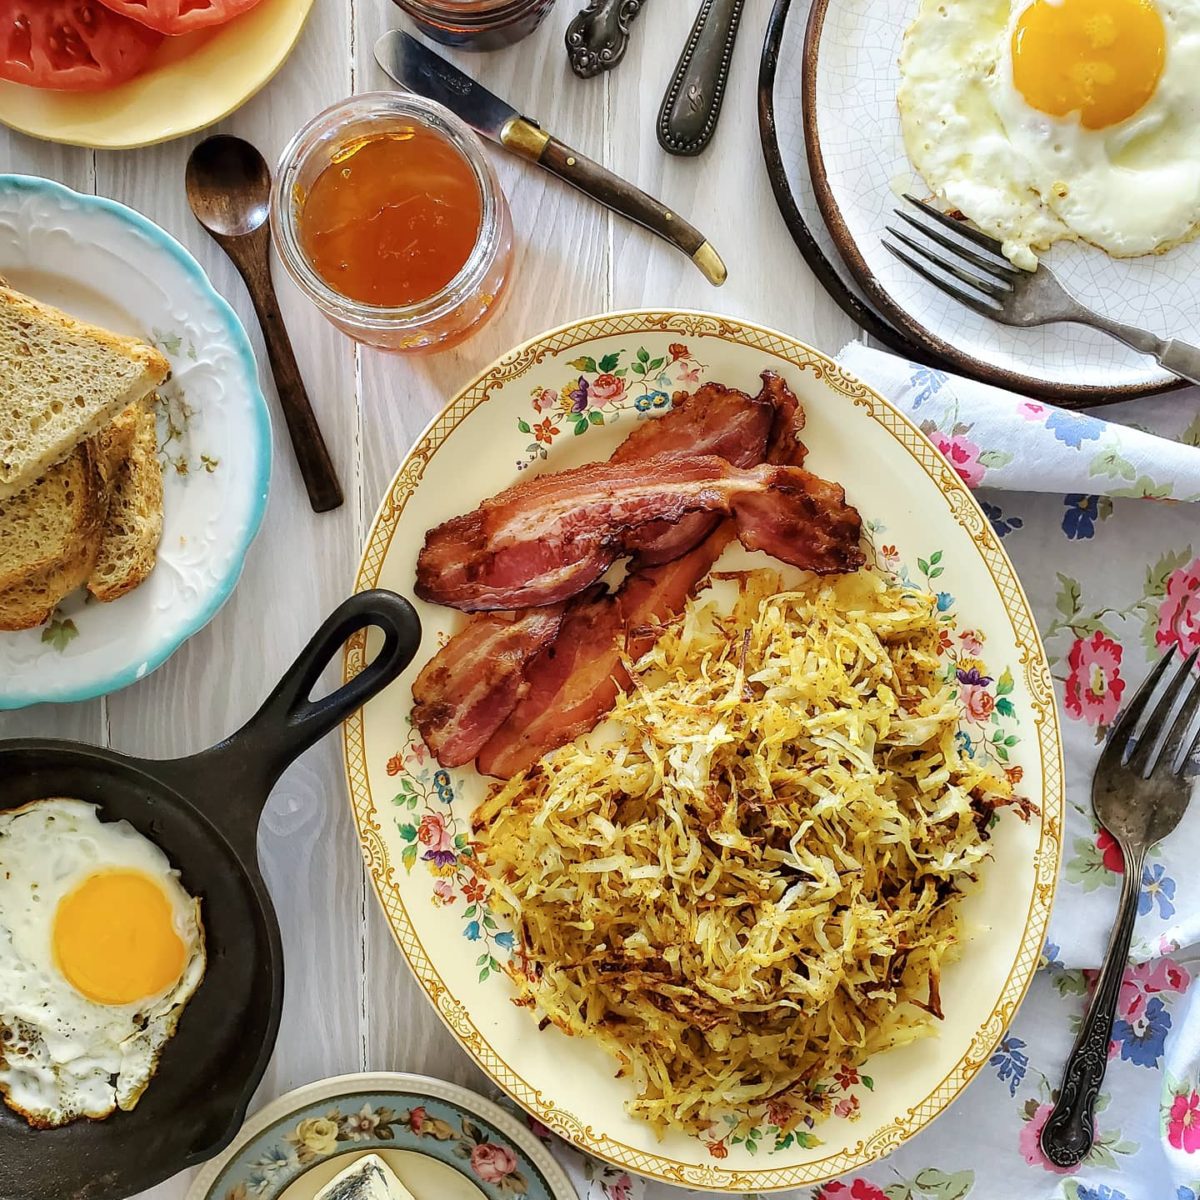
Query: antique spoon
{"x": 692, "y": 104}
{"x": 229, "y": 190}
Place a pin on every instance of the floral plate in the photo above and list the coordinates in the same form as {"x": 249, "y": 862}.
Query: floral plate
{"x": 441, "y": 1140}
{"x": 108, "y": 264}
{"x": 568, "y": 397}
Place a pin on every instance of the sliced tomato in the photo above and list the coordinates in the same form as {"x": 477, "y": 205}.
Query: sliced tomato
{"x": 180, "y": 16}
{"x": 71, "y": 45}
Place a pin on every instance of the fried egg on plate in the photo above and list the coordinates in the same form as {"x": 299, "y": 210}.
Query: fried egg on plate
{"x": 1042, "y": 120}
{"x": 100, "y": 949}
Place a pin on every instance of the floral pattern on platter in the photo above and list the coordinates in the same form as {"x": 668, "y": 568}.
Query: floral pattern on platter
{"x": 292, "y": 1146}
{"x": 605, "y": 391}
{"x": 435, "y": 836}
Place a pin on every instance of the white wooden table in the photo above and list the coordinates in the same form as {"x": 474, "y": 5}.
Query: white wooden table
{"x": 350, "y": 1003}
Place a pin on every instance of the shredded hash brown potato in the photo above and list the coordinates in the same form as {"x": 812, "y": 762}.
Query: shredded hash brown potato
{"x": 750, "y": 877}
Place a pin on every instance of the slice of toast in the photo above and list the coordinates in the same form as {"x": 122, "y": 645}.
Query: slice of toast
{"x": 135, "y": 518}
{"x": 44, "y": 525}
{"x": 62, "y": 381}
{"x": 32, "y": 602}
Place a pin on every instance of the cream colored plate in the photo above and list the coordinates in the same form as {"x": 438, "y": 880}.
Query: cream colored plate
{"x": 192, "y": 82}
{"x": 569, "y": 397}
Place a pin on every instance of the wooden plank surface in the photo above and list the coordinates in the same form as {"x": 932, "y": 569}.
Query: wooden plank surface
{"x": 350, "y": 1002}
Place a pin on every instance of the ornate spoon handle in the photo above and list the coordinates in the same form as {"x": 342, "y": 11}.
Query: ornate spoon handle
{"x": 1069, "y": 1131}
{"x": 693, "y": 101}
{"x": 597, "y": 36}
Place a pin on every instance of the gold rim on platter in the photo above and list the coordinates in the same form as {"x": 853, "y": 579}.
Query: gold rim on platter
{"x": 474, "y": 1029}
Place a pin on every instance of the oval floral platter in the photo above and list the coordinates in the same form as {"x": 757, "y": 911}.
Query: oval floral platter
{"x": 569, "y": 397}
{"x": 441, "y": 1140}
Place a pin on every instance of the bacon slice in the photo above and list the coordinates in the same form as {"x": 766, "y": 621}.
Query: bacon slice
{"x": 712, "y": 420}
{"x": 783, "y": 444}
{"x": 467, "y": 689}
{"x": 552, "y": 536}
{"x": 574, "y": 682}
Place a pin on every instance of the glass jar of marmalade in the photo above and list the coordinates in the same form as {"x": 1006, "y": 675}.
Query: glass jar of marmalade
{"x": 388, "y": 215}
{"x": 477, "y": 24}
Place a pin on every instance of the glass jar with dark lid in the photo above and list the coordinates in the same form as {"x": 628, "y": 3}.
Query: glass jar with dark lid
{"x": 477, "y": 24}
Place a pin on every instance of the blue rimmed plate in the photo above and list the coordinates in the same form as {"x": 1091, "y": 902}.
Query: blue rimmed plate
{"x": 442, "y": 1140}
{"x": 107, "y": 264}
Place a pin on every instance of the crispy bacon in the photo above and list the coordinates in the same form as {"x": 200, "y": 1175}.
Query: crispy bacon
{"x": 550, "y": 537}
{"x": 783, "y": 444}
{"x": 575, "y": 681}
{"x": 467, "y": 689}
{"x": 803, "y": 520}
{"x": 712, "y": 420}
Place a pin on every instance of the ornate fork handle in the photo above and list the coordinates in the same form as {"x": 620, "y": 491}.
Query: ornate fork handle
{"x": 1069, "y": 1131}
{"x": 1175, "y": 356}
{"x": 1178, "y": 357}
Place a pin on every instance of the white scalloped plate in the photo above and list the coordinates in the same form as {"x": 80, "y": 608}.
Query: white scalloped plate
{"x": 859, "y": 168}
{"x": 108, "y": 264}
{"x": 555, "y": 402}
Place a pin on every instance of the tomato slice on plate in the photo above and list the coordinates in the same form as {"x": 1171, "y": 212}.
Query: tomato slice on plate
{"x": 71, "y": 45}
{"x": 180, "y": 16}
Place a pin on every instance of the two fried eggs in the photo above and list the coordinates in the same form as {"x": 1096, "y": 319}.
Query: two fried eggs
{"x": 1044, "y": 120}
{"x": 100, "y": 950}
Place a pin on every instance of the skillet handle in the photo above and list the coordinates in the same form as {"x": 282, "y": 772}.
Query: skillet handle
{"x": 288, "y": 722}
{"x": 244, "y": 767}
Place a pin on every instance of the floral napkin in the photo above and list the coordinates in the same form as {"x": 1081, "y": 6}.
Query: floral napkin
{"x": 1114, "y": 581}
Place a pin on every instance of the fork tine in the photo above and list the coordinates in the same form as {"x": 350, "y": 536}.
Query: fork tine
{"x": 1143, "y": 757}
{"x": 1180, "y": 731}
{"x": 959, "y": 227}
{"x": 972, "y": 300}
{"x": 1118, "y": 738}
{"x": 1191, "y": 754}
{"x": 989, "y": 287}
{"x": 1002, "y": 271}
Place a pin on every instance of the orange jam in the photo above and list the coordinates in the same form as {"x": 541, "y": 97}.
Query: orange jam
{"x": 393, "y": 218}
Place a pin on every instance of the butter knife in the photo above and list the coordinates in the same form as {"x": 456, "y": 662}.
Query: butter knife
{"x": 415, "y": 67}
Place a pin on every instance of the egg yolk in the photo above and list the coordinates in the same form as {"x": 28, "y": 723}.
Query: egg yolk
{"x": 1099, "y": 58}
{"x": 115, "y": 938}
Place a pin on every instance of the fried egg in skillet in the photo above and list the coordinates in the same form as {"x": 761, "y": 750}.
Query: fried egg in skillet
{"x": 1043, "y": 120}
{"x": 100, "y": 950}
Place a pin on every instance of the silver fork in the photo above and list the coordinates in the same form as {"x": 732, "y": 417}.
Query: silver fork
{"x": 993, "y": 287}
{"x": 1139, "y": 794}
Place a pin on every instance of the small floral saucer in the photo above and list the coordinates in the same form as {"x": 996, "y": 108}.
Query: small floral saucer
{"x": 442, "y": 1140}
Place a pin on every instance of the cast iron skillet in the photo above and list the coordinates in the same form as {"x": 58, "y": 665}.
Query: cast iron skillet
{"x": 203, "y": 811}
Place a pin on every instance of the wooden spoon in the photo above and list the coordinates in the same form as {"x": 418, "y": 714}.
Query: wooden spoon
{"x": 229, "y": 190}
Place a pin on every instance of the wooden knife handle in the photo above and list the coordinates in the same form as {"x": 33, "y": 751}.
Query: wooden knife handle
{"x": 692, "y": 103}
{"x": 622, "y": 197}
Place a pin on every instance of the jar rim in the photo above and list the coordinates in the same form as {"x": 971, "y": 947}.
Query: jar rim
{"x": 484, "y": 15}
{"x": 319, "y": 132}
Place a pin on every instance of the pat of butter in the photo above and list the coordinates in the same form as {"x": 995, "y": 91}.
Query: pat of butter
{"x": 366, "y": 1178}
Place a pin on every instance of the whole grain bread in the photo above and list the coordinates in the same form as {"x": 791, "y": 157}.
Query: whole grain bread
{"x": 135, "y": 518}
{"x": 31, "y": 603}
{"x": 45, "y": 524}
{"x": 61, "y": 381}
